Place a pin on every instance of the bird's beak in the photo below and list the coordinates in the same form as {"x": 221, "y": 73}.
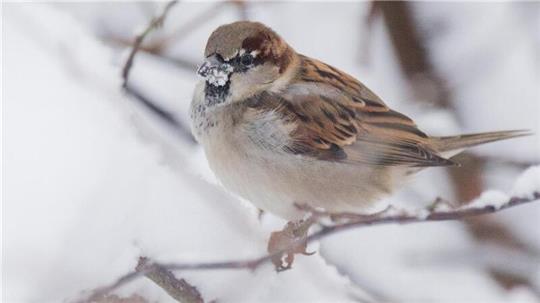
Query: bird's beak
{"x": 211, "y": 62}
{"x": 215, "y": 71}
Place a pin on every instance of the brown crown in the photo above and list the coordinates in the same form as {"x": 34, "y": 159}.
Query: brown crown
{"x": 228, "y": 39}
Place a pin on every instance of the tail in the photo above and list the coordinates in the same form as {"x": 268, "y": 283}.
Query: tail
{"x": 453, "y": 145}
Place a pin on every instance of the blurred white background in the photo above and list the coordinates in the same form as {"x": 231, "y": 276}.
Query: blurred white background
{"x": 93, "y": 179}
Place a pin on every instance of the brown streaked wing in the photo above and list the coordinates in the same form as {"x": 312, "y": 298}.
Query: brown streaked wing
{"x": 354, "y": 126}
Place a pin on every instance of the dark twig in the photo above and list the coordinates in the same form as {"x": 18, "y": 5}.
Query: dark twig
{"x": 180, "y": 290}
{"x": 160, "y": 274}
{"x": 182, "y": 63}
{"x": 390, "y": 216}
{"x": 159, "y": 44}
{"x": 164, "y": 114}
{"x": 154, "y": 23}
{"x": 458, "y": 214}
{"x": 189, "y": 26}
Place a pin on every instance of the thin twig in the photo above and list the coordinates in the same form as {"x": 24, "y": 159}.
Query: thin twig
{"x": 460, "y": 213}
{"x": 360, "y": 221}
{"x": 165, "y": 115}
{"x": 157, "y": 46}
{"x": 180, "y": 62}
{"x": 154, "y": 23}
{"x": 178, "y": 289}
{"x": 190, "y": 26}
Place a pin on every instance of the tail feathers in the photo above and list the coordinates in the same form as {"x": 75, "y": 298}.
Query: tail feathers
{"x": 452, "y": 145}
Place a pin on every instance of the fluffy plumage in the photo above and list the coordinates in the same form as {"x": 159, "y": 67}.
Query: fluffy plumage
{"x": 286, "y": 128}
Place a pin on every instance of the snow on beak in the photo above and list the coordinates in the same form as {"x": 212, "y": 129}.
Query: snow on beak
{"x": 215, "y": 71}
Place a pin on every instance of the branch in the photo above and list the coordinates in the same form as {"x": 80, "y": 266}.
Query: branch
{"x": 154, "y": 23}
{"x": 190, "y": 26}
{"x": 180, "y": 290}
{"x": 389, "y": 216}
{"x": 182, "y": 63}
{"x": 160, "y": 43}
{"x": 404, "y": 217}
{"x": 156, "y": 49}
{"x": 164, "y": 114}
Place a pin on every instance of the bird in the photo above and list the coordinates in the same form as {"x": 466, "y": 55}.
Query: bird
{"x": 281, "y": 129}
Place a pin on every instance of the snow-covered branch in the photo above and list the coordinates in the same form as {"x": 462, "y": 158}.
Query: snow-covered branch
{"x": 438, "y": 211}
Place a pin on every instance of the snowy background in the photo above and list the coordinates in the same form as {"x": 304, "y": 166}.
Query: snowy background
{"x": 91, "y": 180}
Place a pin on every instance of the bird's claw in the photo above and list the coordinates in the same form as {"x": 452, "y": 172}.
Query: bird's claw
{"x": 286, "y": 243}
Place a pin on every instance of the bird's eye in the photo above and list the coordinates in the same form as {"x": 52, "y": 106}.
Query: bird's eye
{"x": 246, "y": 59}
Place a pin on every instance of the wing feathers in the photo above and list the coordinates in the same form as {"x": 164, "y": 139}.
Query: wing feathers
{"x": 336, "y": 118}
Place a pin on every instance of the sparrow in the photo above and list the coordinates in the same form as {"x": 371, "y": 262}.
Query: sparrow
{"x": 280, "y": 129}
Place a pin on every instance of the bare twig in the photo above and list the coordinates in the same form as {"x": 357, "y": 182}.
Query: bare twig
{"x": 154, "y": 23}
{"x": 160, "y": 43}
{"x": 182, "y": 63}
{"x": 190, "y": 25}
{"x": 180, "y": 290}
{"x": 391, "y": 216}
{"x": 164, "y": 114}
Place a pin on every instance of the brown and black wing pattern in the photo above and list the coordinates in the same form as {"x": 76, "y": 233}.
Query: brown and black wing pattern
{"x": 353, "y": 126}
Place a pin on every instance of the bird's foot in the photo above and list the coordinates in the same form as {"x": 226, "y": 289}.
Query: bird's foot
{"x": 286, "y": 243}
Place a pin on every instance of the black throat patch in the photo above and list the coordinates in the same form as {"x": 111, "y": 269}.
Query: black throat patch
{"x": 216, "y": 94}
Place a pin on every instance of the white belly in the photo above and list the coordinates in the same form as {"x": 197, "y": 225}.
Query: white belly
{"x": 249, "y": 161}
{"x": 275, "y": 181}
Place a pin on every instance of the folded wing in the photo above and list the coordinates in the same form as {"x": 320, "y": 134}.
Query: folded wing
{"x": 336, "y": 118}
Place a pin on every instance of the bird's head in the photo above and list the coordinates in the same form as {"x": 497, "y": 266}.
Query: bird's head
{"x": 242, "y": 59}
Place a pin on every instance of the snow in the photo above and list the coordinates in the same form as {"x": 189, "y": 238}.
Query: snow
{"x": 215, "y": 75}
{"x": 492, "y": 198}
{"x": 528, "y": 182}
{"x": 99, "y": 196}
{"x": 91, "y": 181}
{"x": 393, "y": 211}
{"x": 491, "y": 65}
